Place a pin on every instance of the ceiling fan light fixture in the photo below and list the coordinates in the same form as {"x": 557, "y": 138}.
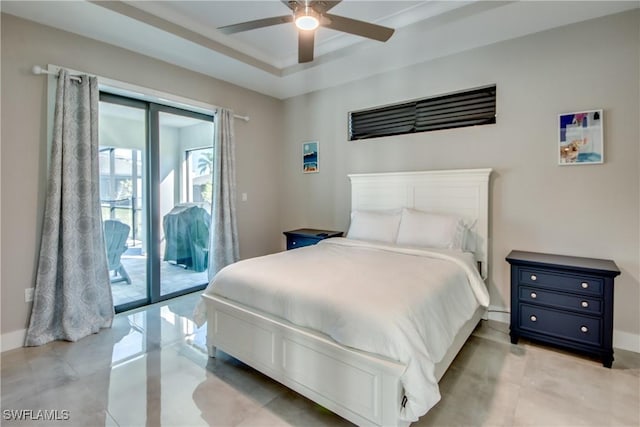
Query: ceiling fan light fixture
{"x": 307, "y": 19}
{"x": 308, "y": 15}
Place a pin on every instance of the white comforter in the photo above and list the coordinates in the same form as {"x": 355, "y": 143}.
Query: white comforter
{"x": 403, "y": 303}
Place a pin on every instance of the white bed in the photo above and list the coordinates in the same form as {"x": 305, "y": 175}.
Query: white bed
{"x": 364, "y": 386}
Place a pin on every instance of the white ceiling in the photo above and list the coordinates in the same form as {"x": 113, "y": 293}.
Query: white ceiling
{"x": 265, "y": 60}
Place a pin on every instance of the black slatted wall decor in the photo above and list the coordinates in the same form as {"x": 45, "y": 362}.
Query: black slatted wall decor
{"x": 467, "y": 108}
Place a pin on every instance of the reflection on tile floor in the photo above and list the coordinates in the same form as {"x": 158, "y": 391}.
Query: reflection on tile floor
{"x": 152, "y": 369}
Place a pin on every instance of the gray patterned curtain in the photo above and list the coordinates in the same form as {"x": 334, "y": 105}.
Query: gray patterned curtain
{"x": 223, "y": 232}
{"x": 73, "y": 293}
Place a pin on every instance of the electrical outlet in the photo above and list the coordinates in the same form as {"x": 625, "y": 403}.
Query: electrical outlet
{"x": 28, "y": 294}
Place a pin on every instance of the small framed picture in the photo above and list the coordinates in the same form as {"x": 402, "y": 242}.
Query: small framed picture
{"x": 310, "y": 161}
{"x": 581, "y": 138}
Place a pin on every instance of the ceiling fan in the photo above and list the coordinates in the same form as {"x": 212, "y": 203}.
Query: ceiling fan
{"x": 308, "y": 15}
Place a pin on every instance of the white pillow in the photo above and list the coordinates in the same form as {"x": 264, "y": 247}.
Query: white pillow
{"x": 378, "y": 226}
{"x": 425, "y": 229}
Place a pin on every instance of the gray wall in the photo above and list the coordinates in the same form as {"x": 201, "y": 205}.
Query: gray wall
{"x": 23, "y": 163}
{"x": 535, "y": 205}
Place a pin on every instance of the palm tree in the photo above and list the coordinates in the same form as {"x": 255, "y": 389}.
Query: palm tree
{"x": 205, "y": 167}
{"x": 205, "y": 163}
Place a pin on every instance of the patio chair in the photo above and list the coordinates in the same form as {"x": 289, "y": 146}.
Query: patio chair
{"x": 115, "y": 236}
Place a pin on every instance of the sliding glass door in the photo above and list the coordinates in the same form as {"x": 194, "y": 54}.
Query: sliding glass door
{"x": 155, "y": 187}
{"x": 186, "y": 154}
{"x": 123, "y": 195}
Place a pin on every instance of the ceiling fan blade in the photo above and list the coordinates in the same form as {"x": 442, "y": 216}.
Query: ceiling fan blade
{"x": 289, "y": 3}
{"x": 305, "y": 46}
{"x": 252, "y": 25}
{"x": 359, "y": 28}
{"x": 322, "y": 6}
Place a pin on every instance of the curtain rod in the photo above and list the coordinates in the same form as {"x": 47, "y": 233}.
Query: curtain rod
{"x": 39, "y": 70}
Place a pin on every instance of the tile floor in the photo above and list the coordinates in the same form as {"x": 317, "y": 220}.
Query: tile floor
{"x": 151, "y": 369}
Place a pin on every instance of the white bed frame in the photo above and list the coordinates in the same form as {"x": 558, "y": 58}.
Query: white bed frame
{"x": 362, "y": 387}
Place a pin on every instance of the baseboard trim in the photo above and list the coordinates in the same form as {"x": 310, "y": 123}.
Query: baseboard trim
{"x": 626, "y": 341}
{"x": 13, "y": 340}
{"x": 621, "y": 340}
{"x": 499, "y": 314}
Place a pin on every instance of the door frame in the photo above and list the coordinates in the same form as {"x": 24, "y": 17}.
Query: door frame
{"x": 151, "y": 185}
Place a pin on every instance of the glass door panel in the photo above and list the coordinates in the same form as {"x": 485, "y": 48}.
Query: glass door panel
{"x": 185, "y": 171}
{"x": 123, "y": 136}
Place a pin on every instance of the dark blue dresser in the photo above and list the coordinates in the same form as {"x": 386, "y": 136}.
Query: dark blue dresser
{"x": 564, "y": 301}
{"x": 308, "y": 236}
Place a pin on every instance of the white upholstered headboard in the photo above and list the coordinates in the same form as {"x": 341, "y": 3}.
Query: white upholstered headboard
{"x": 462, "y": 192}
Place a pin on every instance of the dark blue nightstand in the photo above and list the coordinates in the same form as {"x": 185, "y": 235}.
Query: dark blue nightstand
{"x": 564, "y": 301}
{"x": 308, "y": 236}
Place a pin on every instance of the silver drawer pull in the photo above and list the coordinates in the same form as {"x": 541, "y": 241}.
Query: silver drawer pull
{"x": 584, "y": 329}
{"x": 584, "y": 285}
{"x": 584, "y": 304}
{"x": 534, "y": 277}
{"x": 533, "y": 318}
{"x": 534, "y": 295}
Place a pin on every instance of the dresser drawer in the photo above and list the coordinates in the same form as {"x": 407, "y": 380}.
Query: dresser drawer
{"x": 563, "y": 282}
{"x": 559, "y": 324}
{"x": 564, "y": 301}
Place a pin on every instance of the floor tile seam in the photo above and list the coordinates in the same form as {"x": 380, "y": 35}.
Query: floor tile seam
{"x": 464, "y": 371}
{"x": 578, "y": 400}
{"x": 510, "y": 420}
{"x": 578, "y": 405}
{"x": 588, "y": 364}
{"x": 165, "y": 344}
{"x": 545, "y": 390}
{"x": 15, "y": 402}
{"x": 161, "y": 342}
{"x": 91, "y": 367}
{"x": 51, "y": 385}
{"x": 498, "y": 380}
{"x": 255, "y": 411}
{"x": 494, "y": 339}
{"x": 191, "y": 358}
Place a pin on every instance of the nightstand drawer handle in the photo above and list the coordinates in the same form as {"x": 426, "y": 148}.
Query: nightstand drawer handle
{"x": 534, "y": 318}
{"x": 584, "y": 304}
{"x": 584, "y": 285}
{"x": 534, "y": 295}
{"x": 534, "y": 277}
{"x": 294, "y": 243}
{"x": 584, "y": 329}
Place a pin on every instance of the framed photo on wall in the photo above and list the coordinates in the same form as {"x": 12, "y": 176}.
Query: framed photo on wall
{"x": 581, "y": 139}
{"x": 310, "y": 160}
